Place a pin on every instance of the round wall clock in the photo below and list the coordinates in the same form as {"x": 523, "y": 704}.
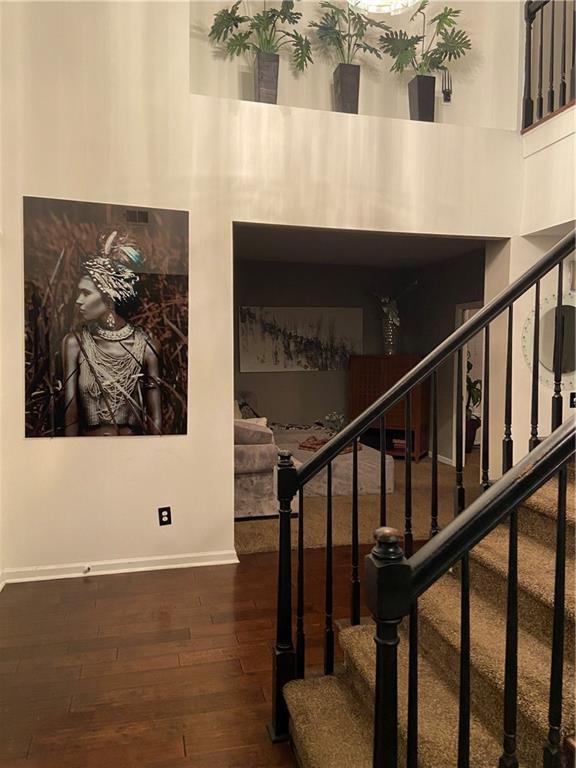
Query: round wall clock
{"x": 547, "y": 322}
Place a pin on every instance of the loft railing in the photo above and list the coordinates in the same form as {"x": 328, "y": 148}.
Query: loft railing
{"x": 549, "y": 60}
{"x": 290, "y": 661}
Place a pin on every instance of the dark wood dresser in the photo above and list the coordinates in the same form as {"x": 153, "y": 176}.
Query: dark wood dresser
{"x": 369, "y": 377}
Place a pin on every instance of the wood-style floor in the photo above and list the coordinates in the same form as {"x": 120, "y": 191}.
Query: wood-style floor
{"x": 163, "y": 669}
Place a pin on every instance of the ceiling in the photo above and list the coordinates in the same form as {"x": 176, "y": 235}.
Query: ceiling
{"x": 267, "y": 242}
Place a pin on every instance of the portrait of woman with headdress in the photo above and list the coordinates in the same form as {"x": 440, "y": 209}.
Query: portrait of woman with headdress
{"x": 106, "y": 319}
{"x": 111, "y": 368}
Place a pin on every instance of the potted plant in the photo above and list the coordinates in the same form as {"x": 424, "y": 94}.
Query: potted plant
{"x": 263, "y": 34}
{"x": 439, "y": 43}
{"x": 474, "y": 396}
{"x": 346, "y": 30}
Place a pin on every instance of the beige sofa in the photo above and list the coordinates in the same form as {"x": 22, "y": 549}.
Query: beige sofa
{"x": 255, "y": 459}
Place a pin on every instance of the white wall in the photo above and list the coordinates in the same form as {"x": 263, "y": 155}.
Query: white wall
{"x": 486, "y": 82}
{"x": 97, "y": 107}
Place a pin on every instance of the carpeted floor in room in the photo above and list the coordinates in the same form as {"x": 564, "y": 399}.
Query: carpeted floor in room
{"x": 262, "y": 535}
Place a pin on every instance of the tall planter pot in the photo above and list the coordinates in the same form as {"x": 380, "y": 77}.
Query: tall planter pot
{"x": 266, "y": 77}
{"x": 347, "y": 88}
{"x": 421, "y": 97}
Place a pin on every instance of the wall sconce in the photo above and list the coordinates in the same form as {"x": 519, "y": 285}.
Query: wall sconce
{"x": 383, "y": 6}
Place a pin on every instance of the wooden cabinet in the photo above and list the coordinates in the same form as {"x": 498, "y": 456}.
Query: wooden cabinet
{"x": 369, "y": 377}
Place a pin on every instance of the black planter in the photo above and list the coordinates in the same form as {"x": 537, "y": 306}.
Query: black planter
{"x": 266, "y": 77}
{"x": 421, "y": 97}
{"x": 347, "y": 88}
{"x": 472, "y": 426}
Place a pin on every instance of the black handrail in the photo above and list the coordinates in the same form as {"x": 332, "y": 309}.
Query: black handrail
{"x": 438, "y": 356}
{"x": 491, "y": 508}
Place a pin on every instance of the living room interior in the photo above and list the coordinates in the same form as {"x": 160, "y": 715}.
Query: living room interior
{"x": 151, "y": 164}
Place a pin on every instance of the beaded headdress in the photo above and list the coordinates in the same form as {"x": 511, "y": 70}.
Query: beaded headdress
{"x": 111, "y": 267}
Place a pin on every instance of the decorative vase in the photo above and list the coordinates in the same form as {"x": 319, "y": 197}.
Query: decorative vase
{"x": 472, "y": 426}
{"x": 266, "y": 77}
{"x": 347, "y": 88}
{"x": 421, "y": 97}
{"x": 390, "y": 334}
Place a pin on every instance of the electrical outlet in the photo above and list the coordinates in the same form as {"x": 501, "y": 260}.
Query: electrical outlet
{"x": 165, "y": 515}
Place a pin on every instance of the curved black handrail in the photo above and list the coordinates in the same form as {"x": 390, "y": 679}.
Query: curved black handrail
{"x": 491, "y": 508}
{"x": 432, "y": 361}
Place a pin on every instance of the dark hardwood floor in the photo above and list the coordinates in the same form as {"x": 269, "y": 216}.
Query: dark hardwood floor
{"x": 161, "y": 669}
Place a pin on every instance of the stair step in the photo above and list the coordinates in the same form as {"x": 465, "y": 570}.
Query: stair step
{"x": 439, "y": 633}
{"x": 437, "y": 702}
{"x": 536, "y": 562}
{"x": 329, "y": 727}
{"x": 537, "y": 517}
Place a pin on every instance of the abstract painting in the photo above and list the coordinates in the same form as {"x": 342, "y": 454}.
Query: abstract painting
{"x": 106, "y": 319}
{"x": 298, "y": 338}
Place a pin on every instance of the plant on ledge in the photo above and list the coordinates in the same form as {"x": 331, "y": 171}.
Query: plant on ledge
{"x": 264, "y": 34}
{"x": 426, "y": 53}
{"x": 473, "y": 399}
{"x": 346, "y": 30}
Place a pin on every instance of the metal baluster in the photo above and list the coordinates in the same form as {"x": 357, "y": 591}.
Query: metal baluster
{"x": 562, "y": 92}
{"x": 551, "y": 74}
{"x": 300, "y": 635}
{"x": 540, "y": 97}
{"x": 486, "y": 412}
{"x": 329, "y": 625}
{"x": 383, "y": 500}
{"x": 460, "y": 503}
{"x": 408, "y": 540}
{"x": 534, "y": 439}
{"x": 507, "y": 442}
{"x": 459, "y": 492}
{"x": 355, "y": 612}
{"x": 434, "y": 527}
{"x": 284, "y": 666}
{"x": 553, "y": 750}
{"x": 527, "y": 103}
{"x": 558, "y": 349}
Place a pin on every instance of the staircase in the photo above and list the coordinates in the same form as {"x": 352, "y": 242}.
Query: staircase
{"x": 473, "y": 663}
{"x": 332, "y": 716}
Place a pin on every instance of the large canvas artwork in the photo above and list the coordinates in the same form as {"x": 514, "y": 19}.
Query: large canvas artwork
{"x": 106, "y": 319}
{"x": 298, "y": 338}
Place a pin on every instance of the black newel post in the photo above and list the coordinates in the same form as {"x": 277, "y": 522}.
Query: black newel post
{"x": 284, "y": 657}
{"x": 388, "y": 596}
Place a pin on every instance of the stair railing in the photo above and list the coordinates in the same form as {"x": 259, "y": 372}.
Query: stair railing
{"x": 289, "y": 661}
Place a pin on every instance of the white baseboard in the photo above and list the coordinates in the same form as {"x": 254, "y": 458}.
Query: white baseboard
{"x": 446, "y": 460}
{"x": 102, "y": 567}
{"x": 2, "y": 582}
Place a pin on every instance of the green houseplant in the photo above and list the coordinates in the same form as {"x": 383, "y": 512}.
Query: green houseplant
{"x": 439, "y": 43}
{"x": 346, "y": 31}
{"x": 473, "y": 399}
{"x": 265, "y": 34}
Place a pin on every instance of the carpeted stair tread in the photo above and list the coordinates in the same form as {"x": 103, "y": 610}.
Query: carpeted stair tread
{"x": 437, "y": 702}
{"x": 536, "y": 563}
{"x": 329, "y": 727}
{"x": 537, "y": 516}
{"x": 439, "y": 612}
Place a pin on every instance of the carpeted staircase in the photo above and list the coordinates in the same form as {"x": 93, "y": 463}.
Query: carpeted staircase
{"x": 331, "y": 717}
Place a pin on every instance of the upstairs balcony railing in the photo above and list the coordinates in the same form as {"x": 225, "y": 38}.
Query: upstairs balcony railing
{"x": 549, "y": 70}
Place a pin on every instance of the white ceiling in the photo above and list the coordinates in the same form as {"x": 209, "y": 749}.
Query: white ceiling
{"x": 266, "y": 242}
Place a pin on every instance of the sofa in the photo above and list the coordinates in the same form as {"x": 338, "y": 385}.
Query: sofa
{"x": 255, "y": 460}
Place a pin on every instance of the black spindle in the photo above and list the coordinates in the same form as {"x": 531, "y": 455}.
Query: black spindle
{"x": 355, "y": 598}
{"x": 412, "y": 731}
{"x": 300, "y": 635}
{"x": 408, "y": 538}
{"x": 562, "y": 91}
{"x": 553, "y": 748}
{"x": 329, "y": 623}
{"x": 464, "y": 693}
{"x": 284, "y": 657}
{"x": 383, "y": 500}
{"x": 459, "y": 492}
{"x": 507, "y": 442}
{"x": 540, "y": 97}
{"x": 527, "y": 102}
{"x": 486, "y": 412}
{"x": 434, "y": 527}
{"x": 551, "y": 71}
{"x": 558, "y": 350}
{"x": 534, "y": 439}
